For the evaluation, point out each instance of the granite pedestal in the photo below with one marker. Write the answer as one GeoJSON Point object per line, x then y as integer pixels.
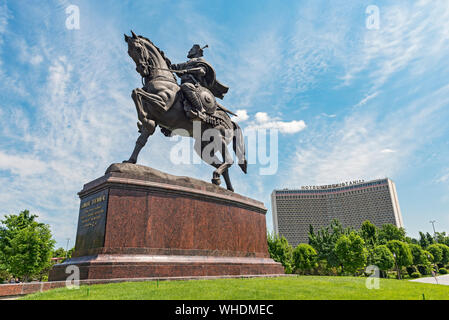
{"type": "Point", "coordinates": [137, 222]}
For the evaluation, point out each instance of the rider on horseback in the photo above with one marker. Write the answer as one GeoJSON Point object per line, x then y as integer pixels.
{"type": "Point", "coordinates": [198, 84]}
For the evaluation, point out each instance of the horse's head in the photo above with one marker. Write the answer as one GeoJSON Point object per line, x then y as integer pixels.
{"type": "Point", "coordinates": [149, 59]}
{"type": "Point", "coordinates": [139, 53]}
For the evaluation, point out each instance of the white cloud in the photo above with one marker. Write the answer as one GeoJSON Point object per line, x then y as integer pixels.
{"type": "Point", "coordinates": [242, 115]}
{"type": "Point", "coordinates": [23, 165]}
{"type": "Point", "coordinates": [263, 121]}
{"type": "Point", "coordinates": [4, 16]}
{"type": "Point", "coordinates": [29, 54]}
{"type": "Point", "coordinates": [367, 98]}
{"type": "Point", "coordinates": [355, 147]}
{"type": "Point", "coordinates": [262, 117]}
{"type": "Point", "coordinates": [412, 36]}
{"type": "Point", "coordinates": [328, 115]}
{"type": "Point", "coordinates": [444, 177]}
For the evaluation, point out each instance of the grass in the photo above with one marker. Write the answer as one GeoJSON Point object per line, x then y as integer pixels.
{"type": "Point", "coordinates": [282, 288]}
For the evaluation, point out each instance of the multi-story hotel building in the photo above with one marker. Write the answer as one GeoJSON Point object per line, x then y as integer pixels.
{"type": "Point", "coordinates": [351, 203]}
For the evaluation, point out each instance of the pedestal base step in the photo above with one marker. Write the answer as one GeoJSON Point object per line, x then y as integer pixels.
{"type": "Point", "coordinates": [148, 266]}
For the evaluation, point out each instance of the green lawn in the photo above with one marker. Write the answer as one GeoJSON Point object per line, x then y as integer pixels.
{"type": "Point", "coordinates": [282, 288]}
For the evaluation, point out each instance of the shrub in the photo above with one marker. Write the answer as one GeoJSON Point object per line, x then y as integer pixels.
{"type": "Point", "coordinates": [415, 275]}
{"type": "Point", "coordinates": [4, 275]}
{"type": "Point", "coordinates": [411, 270]}
{"type": "Point", "coordinates": [443, 271]}
{"type": "Point", "coordinates": [424, 269]}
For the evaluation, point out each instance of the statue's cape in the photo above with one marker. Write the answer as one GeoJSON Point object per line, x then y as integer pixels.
{"type": "Point", "coordinates": [217, 89]}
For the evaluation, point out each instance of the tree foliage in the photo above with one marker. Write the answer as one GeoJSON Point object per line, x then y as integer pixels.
{"type": "Point", "coordinates": [402, 251]}
{"type": "Point", "coordinates": [334, 248]}
{"type": "Point", "coordinates": [442, 238]}
{"type": "Point", "coordinates": [324, 240]}
{"type": "Point", "coordinates": [436, 251]}
{"type": "Point", "coordinates": [382, 258]}
{"type": "Point", "coordinates": [419, 255]}
{"type": "Point", "coordinates": [351, 252]}
{"type": "Point", "coordinates": [445, 253]}
{"type": "Point", "coordinates": [390, 232]}
{"type": "Point", "coordinates": [369, 233]}
{"type": "Point", "coordinates": [281, 251]}
{"type": "Point", "coordinates": [304, 258]}
{"type": "Point", "coordinates": [26, 246]}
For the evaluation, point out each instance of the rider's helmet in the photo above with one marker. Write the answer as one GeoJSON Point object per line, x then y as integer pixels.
{"type": "Point", "coordinates": [196, 51]}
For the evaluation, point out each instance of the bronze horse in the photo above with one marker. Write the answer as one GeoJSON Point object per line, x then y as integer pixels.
{"type": "Point", "coordinates": [160, 102]}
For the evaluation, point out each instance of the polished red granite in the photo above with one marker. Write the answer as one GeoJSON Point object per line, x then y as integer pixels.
{"type": "Point", "coordinates": [157, 225]}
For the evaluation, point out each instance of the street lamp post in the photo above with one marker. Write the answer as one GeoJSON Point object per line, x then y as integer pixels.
{"type": "Point", "coordinates": [433, 226]}
{"type": "Point", "coordinates": [67, 248]}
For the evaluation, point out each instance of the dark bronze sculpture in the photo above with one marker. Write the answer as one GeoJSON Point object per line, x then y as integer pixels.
{"type": "Point", "coordinates": [163, 102]}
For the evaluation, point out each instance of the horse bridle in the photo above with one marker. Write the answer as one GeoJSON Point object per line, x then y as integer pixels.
{"type": "Point", "coordinates": [147, 57]}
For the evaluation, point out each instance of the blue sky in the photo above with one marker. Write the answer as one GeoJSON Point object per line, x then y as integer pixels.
{"type": "Point", "coordinates": [370, 103]}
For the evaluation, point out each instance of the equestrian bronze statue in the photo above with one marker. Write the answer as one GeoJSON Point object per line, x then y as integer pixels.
{"type": "Point", "coordinates": [176, 109]}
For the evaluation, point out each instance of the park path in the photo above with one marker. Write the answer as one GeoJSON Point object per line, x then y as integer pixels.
{"type": "Point", "coordinates": [444, 280]}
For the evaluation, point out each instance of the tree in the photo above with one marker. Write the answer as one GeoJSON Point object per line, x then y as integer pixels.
{"type": "Point", "coordinates": [304, 258]}
{"type": "Point", "coordinates": [436, 252]}
{"type": "Point", "coordinates": [402, 251]}
{"type": "Point", "coordinates": [445, 253]}
{"type": "Point", "coordinates": [26, 246]}
{"type": "Point", "coordinates": [423, 242]}
{"type": "Point", "coordinates": [351, 252]}
{"type": "Point", "coordinates": [324, 240]}
{"type": "Point", "coordinates": [368, 231]}
{"type": "Point", "coordinates": [442, 238]}
{"type": "Point", "coordinates": [382, 258]}
{"type": "Point", "coordinates": [411, 240]}
{"type": "Point", "coordinates": [59, 253]}
{"type": "Point", "coordinates": [419, 255]}
{"type": "Point", "coordinates": [281, 251]}
{"type": "Point", "coordinates": [390, 232]}
{"type": "Point", "coordinates": [429, 238]}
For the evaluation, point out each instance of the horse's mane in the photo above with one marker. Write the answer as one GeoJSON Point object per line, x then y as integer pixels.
{"type": "Point", "coordinates": [167, 60]}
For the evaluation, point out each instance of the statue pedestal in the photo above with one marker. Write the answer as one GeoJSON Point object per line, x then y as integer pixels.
{"type": "Point", "coordinates": [137, 222]}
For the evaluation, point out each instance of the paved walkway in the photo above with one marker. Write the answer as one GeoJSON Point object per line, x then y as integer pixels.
{"type": "Point", "coordinates": [441, 280]}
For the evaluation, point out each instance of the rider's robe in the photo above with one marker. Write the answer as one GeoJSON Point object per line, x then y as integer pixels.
{"type": "Point", "coordinates": [208, 81]}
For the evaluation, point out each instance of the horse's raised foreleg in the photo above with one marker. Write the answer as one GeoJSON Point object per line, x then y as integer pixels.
{"type": "Point", "coordinates": [137, 98]}
{"type": "Point", "coordinates": [146, 125]}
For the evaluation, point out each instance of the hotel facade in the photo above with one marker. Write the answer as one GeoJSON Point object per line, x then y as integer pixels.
{"type": "Point", "coordinates": [351, 203]}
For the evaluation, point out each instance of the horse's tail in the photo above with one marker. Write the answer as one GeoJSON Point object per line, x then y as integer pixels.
{"type": "Point", "coordinates": [238, 144]}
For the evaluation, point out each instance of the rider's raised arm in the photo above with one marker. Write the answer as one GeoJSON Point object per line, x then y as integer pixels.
{"type": "Point", "coordinates": [201, 71]}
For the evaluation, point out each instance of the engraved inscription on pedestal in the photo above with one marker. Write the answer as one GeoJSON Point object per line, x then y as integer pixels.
{"type": "Point", "coordinates": [92, 221]}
